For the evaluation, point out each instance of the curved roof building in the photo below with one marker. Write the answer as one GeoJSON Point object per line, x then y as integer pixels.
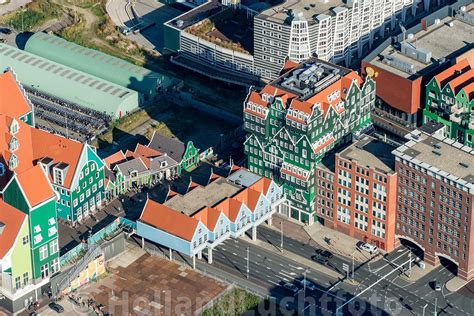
{"type": "Point", "coordinates": [67, 83]}
{"type": "Point", "coordinates": [98, 64]}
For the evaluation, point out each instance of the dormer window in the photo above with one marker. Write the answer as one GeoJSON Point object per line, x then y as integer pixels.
{"type": "Point", "coordinates": [13, 144]}
{"type": "Point", "coordinates": [14, 127]}
{"type": "Point", "coordinates": [163, 164]}
{"type": "Point", "coordinates": [13, 162]}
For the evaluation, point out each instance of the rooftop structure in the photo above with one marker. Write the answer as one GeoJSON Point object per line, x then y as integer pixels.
{"type": "Point", "coordinates": [371, 153]}
{"type": "Point", "coordinates": [427, 48]}
{"type": "Point", "coordinates": [200, 197]}
{"type": "Point", "coordinates": [68, 83]}
{"type": "Point", "coordinates": [440, 155]}
{"type": "Point", "coordinates": [98, 64]}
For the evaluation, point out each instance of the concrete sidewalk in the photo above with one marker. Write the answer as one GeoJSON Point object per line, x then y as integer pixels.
{"type": "Point", "coordinates": [455, 284]}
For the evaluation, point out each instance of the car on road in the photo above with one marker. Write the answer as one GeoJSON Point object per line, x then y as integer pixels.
{"type": "Point", "coordinates": [56, 307]}
{"type": "Point", "coordinates": [368, 247]}
{"type": "Point", "coordinates": [319, 259]}
{"type": "Point", "coordinates": [308, 284]}
{"type": "Point", "coordinates": [437, 286]}
{"type": "Point", "coordinates": [324, 253]}
{"type": "Point", "coordinates": [5, 30]}
{"type": "Point", "coordinates": [291, 287]}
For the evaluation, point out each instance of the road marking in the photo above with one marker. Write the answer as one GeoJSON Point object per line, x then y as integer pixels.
{"type": "Point", "coordinates": [285, 274]}
{"type": "Point", "coordinates": [234, 254]}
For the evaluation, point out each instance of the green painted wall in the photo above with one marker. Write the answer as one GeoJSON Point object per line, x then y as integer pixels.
{"type": "Point", "coordinates": [190, 157]}
{"type": "Point", "coordinates": [171, 39]}
{"type": "Point", "coordinates": [13, 196]}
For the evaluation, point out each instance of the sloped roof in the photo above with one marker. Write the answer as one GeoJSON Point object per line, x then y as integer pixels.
{"type": "Point", "coordinates": [208, 216]}
{"type": "Point", "coordinates": [147, 152]}
{"type": "Point", "coordinates": [35, 185]}
{"type": "Point", "coordinates": [10, 94]}
{"type": "Point", "coordinates": [262, 185]}
{"type": "Point", "coordinates": [114, 159]}
{"type": "Point", "coordinates": [169, 145]}
{"type": "Point", "coordinates": [447, 74]}
{"type": "Point", "coordinates": [169, 220]}
{"type": "Point", "coordinates": [59, 148]}
{"type": "Point", "coordinates": [249, 197]}
{"type": "Point", "coordinates": [127, 167]}
{"type": "Point", "coordinates": [11, 220]}
{"type": "Point", "coordinates": [461, 80]}
{"type": "Point", "coordinates": [230, 207]}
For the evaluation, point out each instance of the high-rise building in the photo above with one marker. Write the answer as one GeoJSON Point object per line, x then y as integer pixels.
{"type": "Point", "coordinates": [436, 199]}
{"type": "Point", "coordinates": [450, 101]}
{"type": "Point", "coordinates": [296, 119]}
{"type": "Point", "coordinates": [272, 31]}
{"type": "Point", "coordinates": [356, 192]}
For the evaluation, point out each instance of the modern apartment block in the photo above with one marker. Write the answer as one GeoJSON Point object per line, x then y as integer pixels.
{"type": "Point", "coordinates": [265, 34]}
{"type": "Point", "coordinates": [436, 199]}
{"type": "Point", "coordinates": [450, 101]}
{"type": "Point", "coordinates": [404, 65]}
{"type": "Point", "coordinates": [356, 192]}
{"type": "Point", "coordinates": [296, 119]}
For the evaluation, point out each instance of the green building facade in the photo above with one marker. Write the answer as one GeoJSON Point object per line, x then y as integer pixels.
{"type": "Point", "coordinates": [288, 150]}
{"type": "Point", "coordinates": [453, 106]}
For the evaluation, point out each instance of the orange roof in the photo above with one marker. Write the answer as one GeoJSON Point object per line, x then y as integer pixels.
{"type": "Point", "coordinates": [24, 137]}
{"type": "Point", "coordinates": [35, 185]}
{"type": "Point", "coordinates": [463, 79]}
{"type": "Point", "coordinates": [114, 159]}
{"type": "Point", "coordinates": [59, 148]}
{"type": "Point", "coordinates": [208, 216]}
{"type": "Point", "coordinates": [230, 207]}
{"type": "Point", "coordinates": [147, 152]}
{"type": "Point", "coordinates": [289, 64]}
{"type": "Point", "coordinates": [169, 220]}
{"type": "Point", "coordinates": [463, 65]}
{"type": "Point", "coordinates": [249, 197]}
{"type": "Point", "coordinates": [323, 145]}
{"type": "Point", "coordinates": [12, 100]}
{"type": "Point", "coordinates": [12, 219]}
{"type": "Point", "coordinates": [262, 185]}
{"type": "Point", "coordinates": [469, 90]}
{"type": "Point", "coordinates": [254, 97]}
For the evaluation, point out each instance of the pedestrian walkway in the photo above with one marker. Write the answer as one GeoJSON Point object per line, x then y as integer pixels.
{"type": "Point", "coordinates": [455, 284]}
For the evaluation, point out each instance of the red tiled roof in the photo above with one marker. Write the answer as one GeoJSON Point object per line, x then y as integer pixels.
{"type": "Point", "coordinates": [463, 79]}
{"type": "Point", "coordinates": [208, 216]}
{"type": "Point", "coordinates": [12, 219]}
{"type": "Point", "coordinates": [323, 145]}
{"type": "Point", "coordinates": [463, 65]}
{"type": "Point", "coordinates": [114, 159]}
{"type": "Point", "coordinates": [254, 97]}
{"type": "Point", "coordinates": [289, 65]}
{"type": "Point", "coordinates": [249, 197]}
{"type": "Point", "coordinates": [147, 152]}
{"type": "Point", "coordinates": [469, 90]}
{"type": "Point", "coordinates": [169, 220]}
{"type": "Point", "coordinates": [12, 100]}
{"type": "Point", "coordinates": [59, 148]}
{"type": "Point", "coordinates": [230, 207]}
{"type": "Point", "coordinates": [262, 185]}
{"type": "Point", "coordinates": [288, 172]}
{"type": "Point", "coordinates": [35, 185]}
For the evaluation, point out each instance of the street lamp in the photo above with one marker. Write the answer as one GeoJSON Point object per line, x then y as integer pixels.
{"type": "Point", "coordinates": [304, 283]}
{"type": "Point", "coordinates": [436, 306]}
{"type": "Point", "coordinates": [353, 265]}
{"type": "Point", "coordinates": [248, 268]}
{"type": "Point", "coordinates": [424, 307]}
{"type": "Point", "coordinates": [281, 235]}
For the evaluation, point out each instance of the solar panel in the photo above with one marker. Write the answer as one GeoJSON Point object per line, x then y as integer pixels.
{"type": "Point", "coordinates": [44, 64]}
{"type": "Point", "coordinates": [58, 70]}
{"type": "Point", "coordinates": [65, 72]}
{"type": "Point", "coordinates": [108, 88]}
{"type": "Point", "coordinates": [22, 57]}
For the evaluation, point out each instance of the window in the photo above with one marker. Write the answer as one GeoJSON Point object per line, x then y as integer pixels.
{"type": "Point", "coordinates": [52, 231]}
{"type": "Point", "coordinates": [43, 252]}
{"type": "Point", "coordinates": [58, 176]}
{"type": "Point", "coordinates": [26, 240]}
{"type": "Point", "coordinates": [44, 271]}
{"type": "Point", "coordinates": [53, 247]}
{"type": "Point", "coordinates": [38, 238]}
{"type": "Point", "coordinates": [26, 279]}
{"type": "Point", "coordinates": [55, 266]}
{"type": "Point", "coordinates": [17, 283]}
{"type": "Point", "coordinates": [51, 221]}
{"type": "Point", "coordinates": [92, 167]}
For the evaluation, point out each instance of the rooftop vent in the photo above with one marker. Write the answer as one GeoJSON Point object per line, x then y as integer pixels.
{"type": "Point", "coordinates": [179, 23]}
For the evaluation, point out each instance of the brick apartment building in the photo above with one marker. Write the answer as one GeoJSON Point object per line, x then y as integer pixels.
{"type": "Point", "coordinates": [435, 199]}
{"type": "Point", "coordinates": [356, 192]}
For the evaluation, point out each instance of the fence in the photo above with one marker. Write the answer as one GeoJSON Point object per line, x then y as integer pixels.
{"type": "Point", "coordinates": [81, 248]}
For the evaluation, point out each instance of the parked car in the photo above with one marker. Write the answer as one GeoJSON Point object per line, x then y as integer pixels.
{"type": "Point", "coordinates": [324, 253]}
{"type": "Point", "coordinates": [319, 259]}
{"type": "Point", "coordinates": [56, 307]}
{"type": "Point", "coordinates": [291, 287]}
{"type": "Point", "coordinates": [5, 30]}
{"type": "Point", "coordinates": [437, 286]}
{"type": "Point", "coordinates": [308, 284]}
{"type": "Point", "coordinates": [368, 247]}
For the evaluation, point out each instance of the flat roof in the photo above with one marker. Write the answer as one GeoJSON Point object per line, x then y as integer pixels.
{"type": "Point", "coordinates": [371, 152]}
{"type": "Point", "coordinates": [307, 9]}
{"type": "Point", "coordinates": [200, 197]}
{"type": "Point", "coordinates": [450, 157]}
{"type": "Point", "coordinates": [244, 177]}
{"type": "Point", "coordinates": [197, 14]}
{"type": "Point", "coordinates": [440, 39]}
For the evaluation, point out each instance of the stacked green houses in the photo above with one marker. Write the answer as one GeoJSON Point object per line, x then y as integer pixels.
{"type": "Point", "coordinates": [296, 119]}
{"type": "Point", "coordinates": [43, 177]}
{"type": "Point", "coordinates": [450, 101]}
